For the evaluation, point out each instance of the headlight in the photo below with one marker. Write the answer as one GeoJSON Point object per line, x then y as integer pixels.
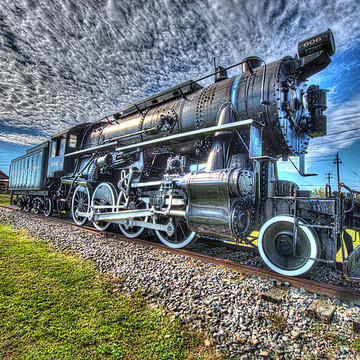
{"type": "Point", "coordinates": [323, 41]}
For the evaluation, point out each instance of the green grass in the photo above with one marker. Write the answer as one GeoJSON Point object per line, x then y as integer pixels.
{"type": "Point", "coordinates": [357, 345]}
{"type": "Point", "coordinates": [56, 306]}
{"type": "Point", "coordinates": [4, 199]}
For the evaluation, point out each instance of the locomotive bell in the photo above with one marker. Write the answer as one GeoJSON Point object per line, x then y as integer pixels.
{"type": "Point", "coordinates": [220, 74]}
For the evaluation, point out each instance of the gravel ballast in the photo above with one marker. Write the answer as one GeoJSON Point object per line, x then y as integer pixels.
{"type": "Point", "coordinates": [219, 301]}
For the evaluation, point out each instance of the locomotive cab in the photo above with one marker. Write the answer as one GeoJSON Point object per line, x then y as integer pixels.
{"type": "Point", "coordinates": [56, 155]}
{"type": "Point", "coordinates": [62, 144]}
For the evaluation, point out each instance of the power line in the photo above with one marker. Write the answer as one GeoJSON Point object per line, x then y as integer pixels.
{"type": "Point", "coordinates": [310, 184]}
{"type": "Point", "coordinates": [352, 170]}
{"type": "Point", "coordinates": [303, 185]}
{"type": "Point", "coordinates": [323, 157]}
{"type": "Point", "coordinates": [332, 141]}
{"type": "Point", "coordinates": [343, 131]}
{"type": "Point", "coordinates": [339, 132]}
{"type": "Point", "coordinates": [320, 160]}
{"type": "Point", "coordinates": [332, 169]}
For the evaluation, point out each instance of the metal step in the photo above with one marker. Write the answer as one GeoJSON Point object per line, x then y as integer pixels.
{"type": "Point", "coordinates": [351, 265]}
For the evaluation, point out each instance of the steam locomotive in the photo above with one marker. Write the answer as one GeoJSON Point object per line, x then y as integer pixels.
{"type": "Point", "coordinates": [201, 161]}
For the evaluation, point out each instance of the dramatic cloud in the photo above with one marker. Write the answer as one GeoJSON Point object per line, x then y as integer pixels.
{"type": "Point", "coordinates": [66, 62]}
{"type": "Point", "coordinates": [22, 139]}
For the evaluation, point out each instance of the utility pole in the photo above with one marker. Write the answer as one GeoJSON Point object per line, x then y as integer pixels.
{"type": "Point", "coordinates": [329, 177]}
{"type": "Point", "coordinates": [337, 161]}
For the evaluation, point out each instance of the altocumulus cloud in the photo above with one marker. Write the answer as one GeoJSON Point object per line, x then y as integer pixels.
{"type": "Point", "coordinates": [65, 62]}
{"type": "Point", "coordinates": [21, 139]}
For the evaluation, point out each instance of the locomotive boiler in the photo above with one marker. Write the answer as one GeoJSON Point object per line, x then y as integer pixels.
{"type": "Point", "coordinates": [201, 161]}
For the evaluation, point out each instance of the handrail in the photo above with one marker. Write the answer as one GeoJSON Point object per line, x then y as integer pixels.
{"type": "Point", "coordinates": [342, 185]}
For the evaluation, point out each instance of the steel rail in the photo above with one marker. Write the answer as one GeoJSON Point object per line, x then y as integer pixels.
{"type": "Point", "coordinates": [339, 292]}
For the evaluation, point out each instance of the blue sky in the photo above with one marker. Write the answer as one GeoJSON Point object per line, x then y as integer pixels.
{"type": "Point", "coordinates": [66, 62]}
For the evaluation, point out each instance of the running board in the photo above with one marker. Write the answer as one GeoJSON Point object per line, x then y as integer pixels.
{"type": "Point", "coordinates": [173, 139]}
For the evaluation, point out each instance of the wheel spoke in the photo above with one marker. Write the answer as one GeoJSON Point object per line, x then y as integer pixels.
{"type": "Point", "coordinates": [131, 231]}
{"type": "Point", "coordinates": [182, 236]}
{"type": "Point", "coordinates": [104, 194]}
{"type": "Point", "coordinates": [48, 207]}
{"type": "Point", "coordinates": [182, 230]}
{"type": "Point", "coordinates": [80, 202]}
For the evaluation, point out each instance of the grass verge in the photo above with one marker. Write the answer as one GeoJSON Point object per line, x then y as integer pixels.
{"type": "Point", "coordinates": [56, 306]}
{"type": "Point", "coordinates": [4, 199]}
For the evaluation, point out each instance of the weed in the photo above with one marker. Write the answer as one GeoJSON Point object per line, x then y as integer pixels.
{"type": "Point", "coordinates": [338, 340]}
{"type": "Point", "coordinates": [357, 345]}
{"type": "Point", "coordinates": [278, 322]}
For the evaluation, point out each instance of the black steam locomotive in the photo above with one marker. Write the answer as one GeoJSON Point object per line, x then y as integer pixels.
{"type": "Point", "coordinates": [197, 160]}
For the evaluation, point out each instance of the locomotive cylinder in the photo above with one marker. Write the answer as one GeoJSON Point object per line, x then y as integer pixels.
{"type": "Point", "coordinates": [213, 197]}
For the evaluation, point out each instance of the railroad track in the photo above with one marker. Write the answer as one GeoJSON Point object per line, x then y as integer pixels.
{"type": "Point", "coordinates": [320, 288]}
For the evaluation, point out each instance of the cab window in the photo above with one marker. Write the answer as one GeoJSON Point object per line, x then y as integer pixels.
{"type": "Point", "coordinates": [72, 141]}
{"type": "Point", "coordinates": [57, 147]}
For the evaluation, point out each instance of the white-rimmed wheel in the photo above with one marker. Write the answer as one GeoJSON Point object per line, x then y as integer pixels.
{"type": "Point", "coordinates": [178, 234]}
{"type": "Point", "coordinates": [128, 229]}
{"type": "Point", "coordinates": [80, 203]}
{"type": "Point", "coordinates": [276, 245]}
{"type": "Point", "coordinates": [48, 207]}
{"type": "Point", "coordinates": [104, 195]}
